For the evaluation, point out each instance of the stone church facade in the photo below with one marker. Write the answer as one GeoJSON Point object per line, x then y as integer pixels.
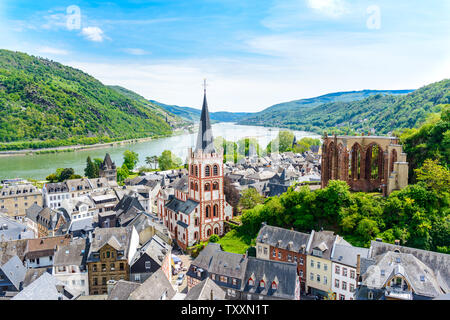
{"type": "Point", "coordinates": [198, 207]}
{"type": "Point", "coordinates": [366, 163]}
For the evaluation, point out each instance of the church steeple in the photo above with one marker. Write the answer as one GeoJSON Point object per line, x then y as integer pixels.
{"type": "Point", "coordinates": [205, 140]}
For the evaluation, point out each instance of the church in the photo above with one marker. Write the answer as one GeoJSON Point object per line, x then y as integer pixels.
{"type": "Point", "coordinates": [198, 207]}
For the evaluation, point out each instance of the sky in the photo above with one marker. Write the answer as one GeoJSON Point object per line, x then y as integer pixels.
{"type": "Point", "coordinates": [253, 53]}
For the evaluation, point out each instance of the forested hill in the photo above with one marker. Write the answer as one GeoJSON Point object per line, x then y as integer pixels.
{"type": "Point", "coordinates": [193, 115]}
{"type": "Point", "coordinates": [379, 113]}
{"type": "Point", "coordinates": [44, 103]}
{"type": "Point", "coordinates": [269, 113]}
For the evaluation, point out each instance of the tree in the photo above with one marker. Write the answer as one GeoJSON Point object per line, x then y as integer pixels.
{"type": "Point", "coordinates": [231, 193]}
{"type": "Point", "coordinates": [214, 238]}
{"type": "Point", "coordinates": [434, 176]}
{"type": "Point", "coordinates": [282, 143]}
{"type": "Point", "coordinates": [89, 171]}
{"type": "Point", "coordinates": [367, 229]}
{"type": "Point", "coordinates": [66, 174]}
{"type": "Point", "coordinates": [249, 199]}
{"type": "Point", "coordinates": [130, 159]}
{"type": "Point", "coordinates": [122, 173]}
{"type": "Point", "coordinates": [168, 161]}
{"type": "Point", "coordinates": [151, 160]}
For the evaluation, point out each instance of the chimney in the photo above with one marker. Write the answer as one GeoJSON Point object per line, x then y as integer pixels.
{"type": "Point", "coordinates": [110, 285]}
{"type": "Point", "coordinates": [358, 265]}
{"type": "Point", "coordinates": [397, 242]}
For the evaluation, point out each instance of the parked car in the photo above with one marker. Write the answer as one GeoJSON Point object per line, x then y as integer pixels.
{"type": "Point", "coordinates": [180, 279]}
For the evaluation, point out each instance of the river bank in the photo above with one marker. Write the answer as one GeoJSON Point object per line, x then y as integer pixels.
{"type": "Point", "coordinates": [73, 148]}
{"type": "Point", "coordinates": [38, 165]}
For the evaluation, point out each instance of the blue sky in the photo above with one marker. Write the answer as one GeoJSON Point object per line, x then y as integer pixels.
{"type": "Point", "coordinates": [254, 53]}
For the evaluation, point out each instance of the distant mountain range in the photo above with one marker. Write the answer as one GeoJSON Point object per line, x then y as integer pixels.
{"type": "Point", "coordinates": [375, 111]}
{"type": "Point", "coordinates": [193, 115]}
{"type": "Point", "coordinates": [378, 112]}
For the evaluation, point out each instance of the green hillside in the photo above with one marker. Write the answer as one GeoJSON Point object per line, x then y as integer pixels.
{"type": "Point", "coordinates": [45, 104]}
{"type": "Point", "coordinates": [379, 113]}
{"type": "Point", "coordinates": [268, 114]}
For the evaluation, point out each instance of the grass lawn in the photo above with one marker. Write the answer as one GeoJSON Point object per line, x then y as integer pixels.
{"type": "Point", "coordinates": [235, 242]}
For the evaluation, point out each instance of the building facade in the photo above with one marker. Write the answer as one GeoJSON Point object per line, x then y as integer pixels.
{"type": "Point", "coordinates": [198, 207]}
{"type": "Point", "coordinates": [366, 163]}
{"type": "Point", "coordinates": [109, 257]}
{"type": "Point", "coordinates": [16, 199]}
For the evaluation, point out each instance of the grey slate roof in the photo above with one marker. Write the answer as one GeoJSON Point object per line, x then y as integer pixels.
{"type": "Point", "coordinates": [34, 273]}
{"type": "Point", "coordinates": [392, 263]}
{"type": "Point", "coordinates": [116, 237]}
{"type": "Point", "coordinates": [122, 290]}
{"type": "Point", "coordinates": [156, 248]}
{"type": "Point", "coordinates": [285, 274]}
{"type": "Point", "coordinates": [73, 254]}
{"type": "Point", "coordinates": [204, 258]}
{"type": "Point", "coordinates": [8, 249]}
{"type": "Point", "coordinates": [185, 207]}
{"type": "Point", "coordinates": [85, 224]}
{"type": "Point", "coordinates": [438, 262]}
{"type": "Point", "coordinates": [154, 288]}
{"type": "Point", "coordinates": [15, 271]}
{"type": "Point", "coordinates": [205, 140]}
{"type": "Point", "coordinates": [347, 255]}
{"type": "Point", "coordinates": [323, 240]}
{"type": "Point", "coordinates": [181, 184]}
{"type": "Point", "coordinates": [14, 230]}
{"type": "Point", "coordinates": [228, 264]}
{"type": "Point", "coordinates": [202, 291]}
{"type": "Point", "coordinates": [46, 287]}
{"type": "Point", "coordinates": [274, 234]}
{"type": "Point", "coordinates": [182, 224]}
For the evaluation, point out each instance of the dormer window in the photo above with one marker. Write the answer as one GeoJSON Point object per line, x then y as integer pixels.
{"type": "Point", "coordinates": [274, 285]}
{"type": "Point", "coordinates": [251, 282]}
{"type": "Point", "coordinates": [262, 284]}
{"type": "Point", "coordinates": [317, 253]}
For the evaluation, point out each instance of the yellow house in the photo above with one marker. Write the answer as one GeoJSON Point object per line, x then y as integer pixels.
{"type": "Point", "coordinates": [318, 262]}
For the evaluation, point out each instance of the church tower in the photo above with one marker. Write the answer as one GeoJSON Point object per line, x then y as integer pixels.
{"type": "Point", "coordinates": [206, 179]}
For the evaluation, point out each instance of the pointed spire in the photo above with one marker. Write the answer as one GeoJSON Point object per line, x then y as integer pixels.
{"type": "Point", "coordinates": [283, 175]}
{"type": "Point", "coordinates": [205, 140]}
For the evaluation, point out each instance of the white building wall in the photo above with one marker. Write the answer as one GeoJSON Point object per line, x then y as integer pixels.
{"type": "Point", "coordinates": [341, 278]}
{"type": "Point", "coordinates": [43, 262]}
{"type": "Point", "coordinates": [78, 281]}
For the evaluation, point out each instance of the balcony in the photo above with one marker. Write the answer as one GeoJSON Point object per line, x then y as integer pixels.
{"type": "Point", "coordinates": [399, 293]}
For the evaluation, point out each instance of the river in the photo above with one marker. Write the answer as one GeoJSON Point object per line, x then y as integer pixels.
{"type": "Point", "coordinates": [38, 166]}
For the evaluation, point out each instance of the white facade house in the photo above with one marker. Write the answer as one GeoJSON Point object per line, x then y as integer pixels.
{"type": "Point", "coordinates": [69, 267]}
{"type": "Point", "coordinates": [54, 194]}
{"type": "Point", "coordinates": [346, 269]}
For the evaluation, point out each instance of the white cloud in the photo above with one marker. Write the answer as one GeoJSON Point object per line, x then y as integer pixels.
{"type": "Point", "coordinates": [93, 34]}
{"type": "Point", "coordinates": [52, 51]}
{"type": "Point", "coordinates": [333, 8]}
{"type": "Point", "coordinates": [136, 51]}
